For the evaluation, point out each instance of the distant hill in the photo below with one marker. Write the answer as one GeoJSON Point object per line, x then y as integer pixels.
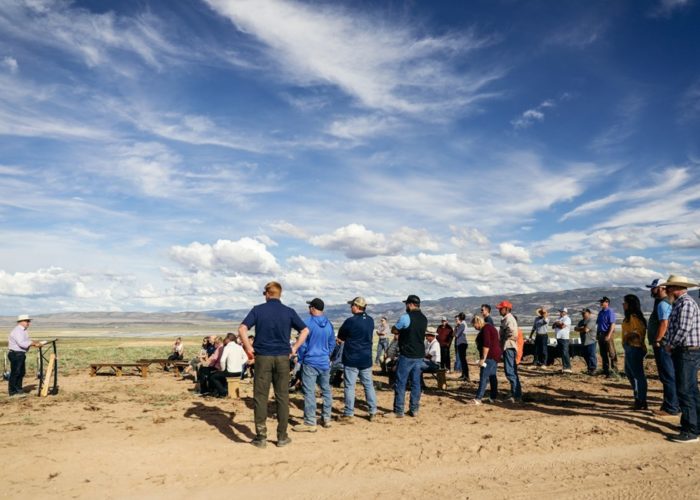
{"type": "Point", "coordinates": [524, 306]}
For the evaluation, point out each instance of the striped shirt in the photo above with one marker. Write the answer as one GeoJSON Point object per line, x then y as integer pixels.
{"type": "Point", "coordinates": [684, 323]}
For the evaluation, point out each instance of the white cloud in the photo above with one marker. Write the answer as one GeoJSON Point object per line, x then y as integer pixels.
{"type": "Point", "coordinates": [689, 239]}
{"type": "Point", "coordinates": [639, 261]}
{"type": "Point", "coordinates": [528, 117]}
{"type": "Point", "coordinates": [10, 63]}
{"type": "Point", "coordinates": [662, 184]}
{"type": "Point", "coordinates": [88, 36]}
{"type": "Point", "coordinates": [464, 237]}
{"type": "Point", "coordinates": [361, 127]}
{"type": "Point", "coordinates": [52, 281]}
{"type": "Point", "coordinates": [358, 242]}
{"type": "Point", "coordinates": [398, 69]}
{"type": "Point", "coordinates": [245, 256]}
{"type": "Point", "coordinates": [513, 253]}
{"type": "Point", "coordinates": [289, 229]}
{"type": "Point", "coordinates": [665, 8]}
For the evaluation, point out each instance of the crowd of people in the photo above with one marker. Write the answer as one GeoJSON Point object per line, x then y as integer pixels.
{"type": "Point", "coordinates": [415, 348]}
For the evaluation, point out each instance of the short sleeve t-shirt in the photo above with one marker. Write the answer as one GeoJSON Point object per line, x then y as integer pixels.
{"type": "Point", "coordinates": [273, 323]}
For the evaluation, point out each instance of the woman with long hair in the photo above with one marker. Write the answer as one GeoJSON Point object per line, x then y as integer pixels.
{"type": "Point", "coordinates": [634, 328]}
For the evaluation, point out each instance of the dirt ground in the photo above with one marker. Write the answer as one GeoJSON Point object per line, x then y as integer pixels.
{"type": "Point", "coordinates": [574, 437]}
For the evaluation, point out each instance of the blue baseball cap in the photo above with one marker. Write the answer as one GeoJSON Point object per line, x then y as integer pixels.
{"type": "Point", "coordinates": [654, 284]}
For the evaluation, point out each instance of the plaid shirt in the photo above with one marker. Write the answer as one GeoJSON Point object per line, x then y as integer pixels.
{"type": "Point", "coordinates": [684, 323]}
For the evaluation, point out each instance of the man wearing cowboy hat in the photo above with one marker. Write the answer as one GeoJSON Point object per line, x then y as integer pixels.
{"type": "Point", "coordinates": [509, 343]}
{"type": "Point", "coordinates": [431, 362]}
{"type": "Point", "coordinates": [18, 344]}
{"type": "Point", "coordinates": [657, 327]}
{"type": "Point", "coordinates": [605, 329]}
{"type": "Point", "coordinates": [684, 345]}
{"type": "Point", "coordinates": [411, 328]}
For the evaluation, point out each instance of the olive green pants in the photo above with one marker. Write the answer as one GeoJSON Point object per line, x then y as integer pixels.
{"type": "Point", "coordinates": [271, 370]}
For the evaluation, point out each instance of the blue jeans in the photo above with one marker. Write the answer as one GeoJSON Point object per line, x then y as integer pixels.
{"type": "Point", "coordinates": [350, 375]}
{"type": "Point", "coordinates": [591, 357]}
{"type": "Point", "coordinates": [487, 375]}
{"type": "Point", "coordinates": [311, 376]}
{"type": "Point", "coordinates": [429, 366]}
{"type": "Point", "coordinates": [382, 347]}
{"type": "Point", "coordinates": [667, 376]}
{"type": "Point", "coordinates": [511, 369]}
{"type": "Point", "coordinates": [541, 343]}
{"type": "Point", "coordinates": [563, 345]}
{"type": "Point", "coordinates": [634, 369]}
{"type": "Point", "coordinates": [687, 364]}
{"type": "Point", "coordinates": [407, 368]}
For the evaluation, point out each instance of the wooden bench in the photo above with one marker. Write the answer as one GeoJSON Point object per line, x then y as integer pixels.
{"type": "Point", "coordinates": [441, 377]}
{"type": "Point", "coordinates": [234, 387]}
{"type": "Point", "coordinates": [117, 368]}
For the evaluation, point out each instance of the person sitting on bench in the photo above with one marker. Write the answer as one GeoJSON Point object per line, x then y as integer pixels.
{"type": "Point", "coordinates": [431, 362]}
{"type": "Point", "coordinates": [232, 359]}
{"type": "Point", "coordinates": [391, 358]}
{"type": "Point", "coordinates": [210, 366]}
{"type": "Point", "coordinates": [196, 362]}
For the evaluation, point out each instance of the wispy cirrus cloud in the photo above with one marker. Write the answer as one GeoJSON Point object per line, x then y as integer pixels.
{"type": "Point", "coordinates": [399, 70]}
{"type": "Point", "coordinates": [664, 183]}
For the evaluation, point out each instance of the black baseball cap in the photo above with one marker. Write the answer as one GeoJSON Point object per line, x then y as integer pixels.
{"type": "Point", "coordinates": [412, 299]}
{"type": "Point", "coordinates": [316, 304]}
{"type": "Point", "coordinates": [604, 299]}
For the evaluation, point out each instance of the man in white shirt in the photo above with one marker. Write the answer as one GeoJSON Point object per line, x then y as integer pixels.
{"type": "Point", "coordinates": [232, 359]}
{"type": "Point", "coordinates": [431, 362]}
{"type": "Point", "coordinates": [18, 344]}
{"type": "Point", "coordinates": [562, 329]}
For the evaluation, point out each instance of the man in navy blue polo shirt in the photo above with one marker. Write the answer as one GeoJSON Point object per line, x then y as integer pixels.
{"type": "Point", "coordinates": [273, 322]}
{"type": "Point", "coordinates": [356, 334]}
{"type": "Point", "coordinates": [606, 336]}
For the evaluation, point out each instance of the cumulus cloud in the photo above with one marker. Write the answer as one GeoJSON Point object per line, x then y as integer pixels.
{"type": "Point", "coordinates": [513, 253]}
{"type": "Point", "coordinates": [358, 242]}
{"type": "Point", "coordinates": [464, 237]}
{"type": "Point", "coordinates": [52, 281]}
{"type": "Point", "coordinates": [245, 256]}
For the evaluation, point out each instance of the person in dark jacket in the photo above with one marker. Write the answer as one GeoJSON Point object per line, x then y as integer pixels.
{"type": "Point", "coordinates": [411, 329]}
{"type": "Point", "coordinates": [314, 357]}
{"type": "Point", "coordinates": [356, 334]}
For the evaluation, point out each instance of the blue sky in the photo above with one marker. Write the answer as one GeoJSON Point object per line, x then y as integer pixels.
{"type": "Point", "coordinates": [159, 155]}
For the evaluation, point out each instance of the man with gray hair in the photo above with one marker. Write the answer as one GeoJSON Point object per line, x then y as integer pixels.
{"type": "Point", "coordinates": [684, 346]}
{"type": "Point", "coordinates": [18, 344]}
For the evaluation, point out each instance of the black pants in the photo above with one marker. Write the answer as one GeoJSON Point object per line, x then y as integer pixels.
{"type": "Point", "coordinates": [17, 371]}
{"type": "Point", "coordinates": [203, 374]}
{"type": "Point", "coordinates": [462, 353]}
{"type": "Point", "coordinates": [445, 357]}
{"type": "Point", "coordinates": [217, 382]}
{"type": "Point", "coordinates": [608, 354]}
{"type": "Point", "coordinates": [271, 370]}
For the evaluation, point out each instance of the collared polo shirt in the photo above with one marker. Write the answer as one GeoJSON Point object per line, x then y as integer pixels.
{"type": "Point", "coordinates": [273, 323]}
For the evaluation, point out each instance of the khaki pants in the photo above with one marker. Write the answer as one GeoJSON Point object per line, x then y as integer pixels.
{"type": "Point", "coordinates": [271, 370]}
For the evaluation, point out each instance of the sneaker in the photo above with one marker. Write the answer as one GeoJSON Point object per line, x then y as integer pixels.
{"type": "Point", "coordinates": [475, 402]}
{"type": "Point", "coordinates": [259, 442]}
{"type": "Point", "coordinates": [684, 437]}
{"type": "Point", "coordinates": [393, 415]}
{"type": "Point", "coordinates": [283, 442]}
{"type": "Point", "coordinates": [346, 419]}
{"type": "Point", "coordinates": [509, 400]}
{"type": "Point", "coordinates": [326, 424]}
{"type": "Point", "coordinates": [19, 395]}
{"type": "Point", "coordinates": [304, 428]}
{"type": "Point", "coordinates": [412, 413]}
{"type": "Point", "coordinates": [567, 370]}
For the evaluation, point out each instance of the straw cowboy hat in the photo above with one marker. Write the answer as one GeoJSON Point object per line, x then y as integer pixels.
{"type": "Point", "coordinates": [23, 317]}
{"type": "Point", "coordinates": [680, 281]}
{"type": "Point", "coordinates": [431, 330]}
{"type": "Point", "coordinates": [541, 311]}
